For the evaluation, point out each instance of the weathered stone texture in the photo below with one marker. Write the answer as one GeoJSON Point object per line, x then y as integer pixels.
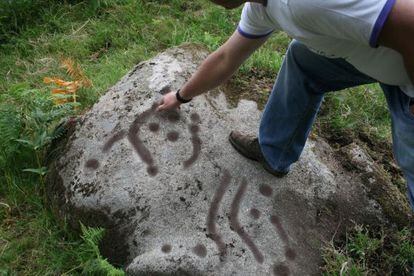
{"type": "Point", "coordinates": [177, 198]}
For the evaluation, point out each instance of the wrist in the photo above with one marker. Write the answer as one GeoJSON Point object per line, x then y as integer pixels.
{"type": "Point", "coordinates": [180, 98]}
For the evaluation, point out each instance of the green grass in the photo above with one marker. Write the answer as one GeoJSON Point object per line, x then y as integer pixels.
{"type": "Point", "coordinates": [33, 243]}
{"type": "Point", "coordinates": [366, 252]}
{"type": "Point", "coordinates": [359, 109]}
{"type": "Point", "coordinates": [108, 37]}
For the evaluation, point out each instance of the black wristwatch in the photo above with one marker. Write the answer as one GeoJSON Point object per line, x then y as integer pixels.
{"type": "Point", "coordinates": [181, 99]}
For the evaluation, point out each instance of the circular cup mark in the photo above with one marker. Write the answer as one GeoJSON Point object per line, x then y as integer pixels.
{"type": "Point", "coordinates": [92, 164]}
{"type": "Point", "coordinates": [165, 90]}
{"type": "Point", "coordinates": [154, 127]}
{"type": "Point", "coordinates": [194, 129]}
{"type": "Point", "coordinates": [173, 116]}
{"type": "Point", "coordinates": [254, 213]}
{"type": "Point", "coordinates": [152, 170]}
{"type": "Point", "coordinates": [266, 190]}
{"type": "Point", "coordinates": [281, 270]}
{"type": "Point", "coordinates": [200, 250]}
{"type": "Point", "coordinates": [290, 253]}
{"type": "Point", "coordinates": [154, 106]}
{"type": "Point", "coordinates": [166, 248]}
{"type": "Point", "coordinates": [172, 136]}
{"type": "Point", "coordinates": [195, 118]}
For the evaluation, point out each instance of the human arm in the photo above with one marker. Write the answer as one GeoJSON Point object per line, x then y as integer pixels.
{"type": "Point", "coordinates": [398, 33]}
{"type": "Point", "coordinates": [218, 67]}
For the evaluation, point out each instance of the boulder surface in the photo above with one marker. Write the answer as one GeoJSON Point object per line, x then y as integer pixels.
{"type": "Point", "coordinates": [176, 198]}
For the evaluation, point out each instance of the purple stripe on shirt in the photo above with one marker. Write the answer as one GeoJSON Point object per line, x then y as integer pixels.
{"type": "Point", "coordinates": [252, 36]}
{"type": "Point", "coordinates": [379, 24]}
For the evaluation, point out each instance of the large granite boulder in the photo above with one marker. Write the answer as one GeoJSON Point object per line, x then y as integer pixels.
{"type": "Point", "coordinates": [176, 198]}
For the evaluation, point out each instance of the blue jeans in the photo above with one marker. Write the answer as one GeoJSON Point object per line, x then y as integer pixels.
{"type": "Point", "coordinates": [297, 95]}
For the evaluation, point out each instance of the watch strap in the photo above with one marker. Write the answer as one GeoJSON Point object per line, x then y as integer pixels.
{"type": "Point", "coordinates": [181, 99]}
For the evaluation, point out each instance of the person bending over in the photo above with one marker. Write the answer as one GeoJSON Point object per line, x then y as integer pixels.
{"type": "Point", "coordinates": [336, 45]}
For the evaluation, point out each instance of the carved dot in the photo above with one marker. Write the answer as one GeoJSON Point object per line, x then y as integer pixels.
{"type": "Point", "coordinates": [195, 118]}
{"type": "Point", "coordinates": [194, 128]}
{"type": "Point", "coordinates": [166, 248]}
{"type": "Point", "coordinates": [173, 117]}
{"type": "Point", "coordinates": [152, 170]}
{"type": "Point", "coordinates": [172, 136]}
{"type": "Point", "coordinates": [165, 90]}
{"type": "Point", "coordinates": [281, 270]}
{"type": "Point", "coordinates": [254, 213]}
{"type": "Point", "coordinates": [290, 254]}
{"type": "Point", "coordinates": [154, 106]}
{"type": "Point", "coordinates": [266, 190]}
{"type": "Point", "coordinates": [154, 127]}
{"type": "Point", "coordinates": [275, 220]}
{"type": "Point", "coordinates": [92, 164]}
{"type": "Point", "coordinates": [200, 250]}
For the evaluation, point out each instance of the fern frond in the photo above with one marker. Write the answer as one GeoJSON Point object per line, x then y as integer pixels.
{"type": "Point", "coordinates": [97, 265]}
{"type": "Point", "coordinates": [59, 131]}
{"type": "Point", "coordinates": [10, 128]}
{"type": "Point", "coordinates": [75, 72]}
{"type": "Point", "coordinates": [9, 124]}
{"type": "Point", "coordinates": [92, 237]}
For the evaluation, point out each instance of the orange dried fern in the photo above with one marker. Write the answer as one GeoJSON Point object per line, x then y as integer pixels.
{"type": "Point", "coordinates": [75, 72]}
{"type": "Point", "coordinates": [67, 90]}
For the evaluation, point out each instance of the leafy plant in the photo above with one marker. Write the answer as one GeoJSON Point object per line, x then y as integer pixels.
{"type": "Point", "coordinates": [27, 118]}
{"type": "Point", "coordinates": [67, 91]}
{"type": "Point", "coordinates": [96, 265]}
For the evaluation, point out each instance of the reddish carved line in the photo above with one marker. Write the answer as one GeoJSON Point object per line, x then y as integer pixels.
{"type": "Point", "coordinates": [235, 224]}
{"type": "Point", "coordinates": [212, 213]}
{"type": "Point", "coordinates": [142, 150]}
{"type": "Point", "coordinates": [195, 139]}
{"type": "Point", "coordinates": [290, 253]}
{"type": "Point", "coordinates": [115, 138]}
{"type": "Point", "coordinates": [138, 145]}
{"type": "Point", "coordinates": [279, 228]}
{"type": "Point", "coordinates": [196, 151]}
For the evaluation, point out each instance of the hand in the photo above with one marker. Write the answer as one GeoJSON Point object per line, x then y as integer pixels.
{"type": "Point", "coordinates": [169, 101]}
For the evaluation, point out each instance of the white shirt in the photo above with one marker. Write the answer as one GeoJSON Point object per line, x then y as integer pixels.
{"type": "Point", "coordinates": [347, 29]}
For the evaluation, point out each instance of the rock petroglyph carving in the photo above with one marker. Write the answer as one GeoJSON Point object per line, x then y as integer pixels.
{"type": "Point", "coordinates": [235, 225]}
{"type": "Point", "coordinates": [213, 210]}
{"type": "Point", "coordinates": [177, 199]}
{"type": "Point", "coordinates": [140, 148]}
{"type": "Point", "coordinates": [166, 248]}
{"type": "Point", "coordinates": [200, 250]}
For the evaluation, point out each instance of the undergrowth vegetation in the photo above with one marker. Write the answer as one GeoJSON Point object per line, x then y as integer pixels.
{"type": "Point", "coordinates": [367, 252]}
{"type": "Point", "coordinates": [108, 37]}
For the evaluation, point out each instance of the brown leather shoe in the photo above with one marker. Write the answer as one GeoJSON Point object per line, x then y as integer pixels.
{"type": "Point", "coordinates": [248, 146]}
